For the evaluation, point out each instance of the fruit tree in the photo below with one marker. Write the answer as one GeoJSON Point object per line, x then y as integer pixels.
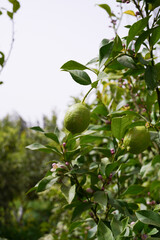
{"type": "Point", "coordinates": [109, 151]}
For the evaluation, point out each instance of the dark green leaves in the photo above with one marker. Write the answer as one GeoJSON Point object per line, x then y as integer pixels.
{"type": "Point", "coordinates": [149, 217]}
{"type": "Point", "coordinates": [141, 39]}
{"type": "Point", "coordinates": [136, 29]}
{"type": "Point", "coordinates": [1, 58]}
{"type": "Point", "coordinates": [76, 71]}
{"type": "Point", "coordinates": [16, 5]}
{"type": "Point", "coordinates": [126, 61]}
{"type": "Point", "coordinates": [155, 35]}
{"type": "Point", "coordinates": [82, 207]}
{"type": "Point", "coordinates": [80, 77]}
{"type": "Point", "coordinates": [151, 77]}
{"type": "Point", "coordinates": [37, 128]}
{"type": "Point", "coordinates": [73, 65]}
{"type": "Point", "coordinates": [105, 50]}
{"type": "Point", "coordinates": [52, 136]}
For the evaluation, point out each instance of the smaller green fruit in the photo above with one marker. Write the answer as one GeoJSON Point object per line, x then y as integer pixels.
{"type": "Point", "coordinates": [137, 139]}
{"type": "Point", "coordinates": [77, 118]}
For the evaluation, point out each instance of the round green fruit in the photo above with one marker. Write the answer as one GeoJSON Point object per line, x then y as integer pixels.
{"type": "Point", "coordinates": [77, 118]}
{"type": "Point", "coordinates": [137, 139]}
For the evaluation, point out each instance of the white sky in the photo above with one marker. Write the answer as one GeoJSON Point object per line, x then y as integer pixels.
{"type": "Point", "coordinates": [48, 33]}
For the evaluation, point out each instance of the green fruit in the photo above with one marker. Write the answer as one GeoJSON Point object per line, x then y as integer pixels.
{"type": "Point", "coordinates": [137, 139]}
{"type": "Point", "coordinates": [77, 118]}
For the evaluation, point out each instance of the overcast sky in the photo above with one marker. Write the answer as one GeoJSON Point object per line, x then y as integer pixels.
{"type": "Point", "coordinates": [47, 34]}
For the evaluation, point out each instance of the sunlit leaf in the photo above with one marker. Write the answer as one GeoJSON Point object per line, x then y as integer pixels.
{"type": "Point", "coordinates": [149, 217]}
{"type": "Point", "coordinates": [103, 232]}
{"type": "Point", "coordinates": [119, 126]}
{"type": "Point", "coordinates": [130, 12]}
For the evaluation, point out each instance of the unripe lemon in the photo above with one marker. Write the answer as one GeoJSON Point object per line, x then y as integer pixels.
{"type": "Point", "coordinates": [137, 139]}
{"type": "Point", "coordinates": [77, 118]}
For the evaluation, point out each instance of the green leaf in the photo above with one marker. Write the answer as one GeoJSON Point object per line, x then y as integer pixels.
{"type": "Point", "coordinates": [105, 50]}
{"type": "Point", "coordinates": [150, 77]}
{"type": "Point", "coordinates": [136, 29]}
{"type": "Point", "coordinates": [94, 60]}
{"type": "Point", "coordinates": [117, 44]}
{"type": "Point", "coordinates": [75, 225]}
{"type": "Point", "coordinates": [107, 8]}
{"type": "Point", "coordinates": [155, 35]}
{"type": "Point", "coordinates": [94, 84]}
{"type": "Point", "coordinates": [125, 112]}
{"type": "Point", "coordinates": [73, 65]}
{"type": "Point", "coordinates": [102, 76]}
{"type": "Point", "coordinates": [10, 14]}
{"type": "Point", "coordinates": [100, 109]}
{"type": "Point", "coordinates": [52, 136]}
{"type": "Point", "coordinates": [42, 185]}
{"type": "Point", "coordinates": [134, 190]}
{"type": "Point", "coordinates": [141, 39]}
{"type": "Point", "coordinates": [106, 152]}
{"type": "Point", "coordinates": [80, 209]}
{"type": "Point", "coordinates": [119, 126]}
{"type": "Point", "coordinates": [31, 190]}
{"type": "Point", "coordinates": [110, 167]}
{"type": "Point", "coordinates": [157, 69]}
{"type": "Point", "coordinates": [16, 5]}
{"type": "Point", "coordinates": [90, 139]}
{"type": "Point", "coordinates": [37, 128]}
{"type": "Point", "coordinates": [155, 160]}
{"type": "Point", "coordinates": [116, 227]}
{"type": "Point", "coordinates": [149, 217]}
{"type": "Point", "coordinates": [127, 61]}
{"type": "Point", "coordinates": [100, 197]}
{"type": "Point", "coordinates": [37, 146]}
{"type": "Point", "coordinates": [156, 4]}
{"type": "Point", "coordinates": [2, 58]}
{"type": "Point", "coordinates": [103, 232]}
{"type": "Point", "coordinates": [80, 77]}
{"type": "Point", "coordinates": [146, 169]}
{"type": "Point", "coordinates": [68, 192]}
{"type": "Point", "coordinates": [92, 232]}
{"type": "Point", "coordinates": [40, 147]}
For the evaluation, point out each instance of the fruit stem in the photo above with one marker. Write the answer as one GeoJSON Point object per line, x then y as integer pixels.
{"type": "Point", "coordinates": [87, 94]}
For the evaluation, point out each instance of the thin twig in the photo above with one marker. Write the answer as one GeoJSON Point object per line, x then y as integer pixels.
{"type": "Point", "coordinates": [11, 46]}
{"type": "Point", "coordinates": [138, 7]}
